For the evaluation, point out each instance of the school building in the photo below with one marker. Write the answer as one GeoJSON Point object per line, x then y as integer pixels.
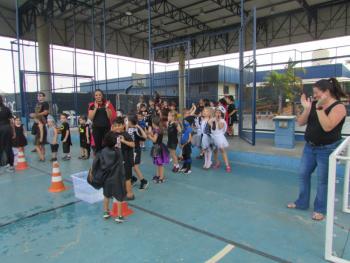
{"type": "Point", "coordinates": [212, 82]}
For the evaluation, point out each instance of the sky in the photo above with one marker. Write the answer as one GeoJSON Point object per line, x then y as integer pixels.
{"type": "Point", "coordinates": [118, 66]}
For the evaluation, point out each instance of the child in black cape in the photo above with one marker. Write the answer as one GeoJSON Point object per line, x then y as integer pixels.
{"type": "Point", "coordinates": [110, 161]}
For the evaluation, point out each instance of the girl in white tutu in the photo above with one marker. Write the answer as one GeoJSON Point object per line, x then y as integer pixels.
{"type": "Point", "coordinates": [207, 142]}
{"type": "Point", "coordinates": [218, 130]}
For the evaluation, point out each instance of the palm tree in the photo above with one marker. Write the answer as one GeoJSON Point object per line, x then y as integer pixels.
{"type": "Point", "coordinates": [286, 84]}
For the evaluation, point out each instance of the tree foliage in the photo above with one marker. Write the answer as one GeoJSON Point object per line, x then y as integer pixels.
{"type": "Point", "coordinates": [286, 85]}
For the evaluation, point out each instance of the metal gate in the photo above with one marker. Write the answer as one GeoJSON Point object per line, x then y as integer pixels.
{"type": "Point", "coordinates": [247, 88]}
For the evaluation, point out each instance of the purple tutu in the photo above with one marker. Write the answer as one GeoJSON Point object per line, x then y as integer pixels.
{"type": "Point", "coordinates": [163, 158]}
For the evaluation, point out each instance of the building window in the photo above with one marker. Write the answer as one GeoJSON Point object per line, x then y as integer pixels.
{"type": "Point", "coordinates": [226, 90]}
{"type": "Point", "coordinates": [203, 89]}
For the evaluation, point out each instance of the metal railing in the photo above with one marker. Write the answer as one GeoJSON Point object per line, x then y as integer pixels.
{"type": "Point", "coordinates": [341, 154]}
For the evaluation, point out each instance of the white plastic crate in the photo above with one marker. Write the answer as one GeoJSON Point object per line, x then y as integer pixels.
{"type": "Point", "coordinates": [83, 190]}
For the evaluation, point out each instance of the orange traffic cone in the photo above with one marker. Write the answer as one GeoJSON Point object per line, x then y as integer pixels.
{"type": "Point", "coordinates": [21, 161]}
{"type": "Point", "coordinates": [126, 211]}
{"type": "Point", "coordinates": [56, 179]}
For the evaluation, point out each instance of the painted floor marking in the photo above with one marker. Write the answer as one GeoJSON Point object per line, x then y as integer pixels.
{"type": "Point", "coordinates": [222, 253]}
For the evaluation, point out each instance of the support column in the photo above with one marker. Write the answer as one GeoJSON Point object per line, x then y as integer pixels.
{"type": "Point", "coordinates": [182, 80]}
{"type": "Point", "coordinates": [44, 57]}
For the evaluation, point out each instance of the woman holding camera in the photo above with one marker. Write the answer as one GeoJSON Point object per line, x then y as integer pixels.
{"type": "Point", "coordinates": [324, 116]}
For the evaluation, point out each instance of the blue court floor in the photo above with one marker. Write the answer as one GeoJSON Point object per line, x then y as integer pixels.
{"type": "Point", "coordinates": [240, 217]}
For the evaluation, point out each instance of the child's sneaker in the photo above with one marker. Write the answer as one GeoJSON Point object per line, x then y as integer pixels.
{"type": "Point", "coordinates": [183, 169]}
{"type": "Point", "coordinates": [228, 169]}
{"type": "Point", "coordinates": [207, 167]}
{"type": "Point", "coordinates": [119, 219]}
{"type": "Point", "coordinates": [160, 181]}
{"type": "Point", "coordinates": [106, 215]}
{"type": "Point", "coordinates": [10, 169]}
{"type": "Point", "coordinates": [187, 171]}
{"type": "Point", "coordinates": [144, 184]}
{"type": "Point", "coordinates": [133, 180]}
{"type": "Point", "coordinates": [175, 169]}
{"type": "Point", "coordinates": [155, 178]}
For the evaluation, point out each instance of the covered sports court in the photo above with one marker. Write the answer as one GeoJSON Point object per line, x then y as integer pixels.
{"type": "Point", "coordinates": [60, 46]}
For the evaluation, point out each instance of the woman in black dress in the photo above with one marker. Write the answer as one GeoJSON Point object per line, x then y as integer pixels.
{"type": "Point", "coordinates": [7, 134]}
{"type": "Point", "coordinates": [101, 113]}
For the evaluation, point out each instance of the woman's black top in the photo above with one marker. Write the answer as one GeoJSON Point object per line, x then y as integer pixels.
{"type": "Point", "coordinates": [315, 135]}
{"type": "Point", "coordinates": [5, 115]}
{"type": "Point", "coordinates": [101, 118]}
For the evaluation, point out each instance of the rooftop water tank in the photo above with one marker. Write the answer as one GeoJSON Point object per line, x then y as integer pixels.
{"type": "Point", "coordinates": [321, 53]}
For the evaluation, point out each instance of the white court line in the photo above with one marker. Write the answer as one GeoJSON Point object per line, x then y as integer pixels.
{"type": "Point", "coordinates": [223, 252]}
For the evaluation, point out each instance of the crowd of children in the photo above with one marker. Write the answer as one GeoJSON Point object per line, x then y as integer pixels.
{"type": "Point", "coordinates": [46, 131]}
{"type": "Point", "coordinates": [205, 126]}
